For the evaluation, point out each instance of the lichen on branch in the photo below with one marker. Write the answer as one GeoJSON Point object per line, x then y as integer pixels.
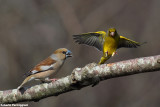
{"type": "Point", "coordinates": [91, 74]}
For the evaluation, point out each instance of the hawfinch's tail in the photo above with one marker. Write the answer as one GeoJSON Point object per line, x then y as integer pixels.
{"type": "Point", "coordinates": [29, 78]}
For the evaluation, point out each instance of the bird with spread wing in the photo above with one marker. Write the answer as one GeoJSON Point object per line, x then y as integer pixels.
{"type": "Point", "coordinates": [108, 42]}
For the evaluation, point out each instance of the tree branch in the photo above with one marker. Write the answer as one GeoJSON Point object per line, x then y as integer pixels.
{"type": "Point", "coordinates": [82, 77]}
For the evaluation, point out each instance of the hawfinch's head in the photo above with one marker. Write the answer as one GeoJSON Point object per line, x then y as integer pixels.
{"type": "Point", "coordinates": [62, 53]}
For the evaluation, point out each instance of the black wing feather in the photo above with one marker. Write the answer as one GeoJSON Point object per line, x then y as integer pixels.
{"type": "Point", "coordinates": [127, 43]}
{"type": "Point", "coordinates": [91, 39]}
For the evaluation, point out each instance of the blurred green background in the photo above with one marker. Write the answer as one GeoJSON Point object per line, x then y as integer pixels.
{"type": "Point", "coordinates": [30, 30]}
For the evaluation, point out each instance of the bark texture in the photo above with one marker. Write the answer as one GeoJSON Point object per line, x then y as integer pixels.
{"type": "Point", "coordinates": [91, 74]}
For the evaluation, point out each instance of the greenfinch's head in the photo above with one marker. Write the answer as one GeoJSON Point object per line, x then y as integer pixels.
{"type": "Point", "coordinates": [112, 32]}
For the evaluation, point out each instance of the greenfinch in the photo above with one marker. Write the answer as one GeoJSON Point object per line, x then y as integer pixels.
{"type": "Point", "coordinates": [108, 42]}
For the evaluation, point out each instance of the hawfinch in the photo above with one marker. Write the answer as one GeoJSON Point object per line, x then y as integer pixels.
{"type": "Point", "coordinates": [47, 67]}
{"type": "Point", "coordinates": [107, 42]}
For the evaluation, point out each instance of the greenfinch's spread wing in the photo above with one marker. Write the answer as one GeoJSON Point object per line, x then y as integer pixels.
{"type": "Point", "coordinates": [95, 39]}
{"type": "Point", "coordinates": [127, 43]}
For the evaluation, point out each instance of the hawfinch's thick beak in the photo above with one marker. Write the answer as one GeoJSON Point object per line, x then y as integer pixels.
{"type": "Point", "coordinates": [68, 53]}
{"type": "Point", "coordinates": [112, 33]}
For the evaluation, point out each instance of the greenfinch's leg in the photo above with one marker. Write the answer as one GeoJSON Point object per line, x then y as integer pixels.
{"type": "Point", "coordinates": [114, 53]}
{"type": "Point", "coordinates": [106, 53]}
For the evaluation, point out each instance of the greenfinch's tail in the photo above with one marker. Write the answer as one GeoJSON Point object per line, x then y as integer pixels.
{"type": "Point", "coordinates": [104, 59]}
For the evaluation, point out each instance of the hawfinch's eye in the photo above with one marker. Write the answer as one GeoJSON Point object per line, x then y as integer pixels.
{"type": "Point", "coordinates": [64, 52]}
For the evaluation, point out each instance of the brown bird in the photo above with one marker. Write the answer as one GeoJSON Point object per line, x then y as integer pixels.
{"type": "Point", "coordinates": [49, 66]}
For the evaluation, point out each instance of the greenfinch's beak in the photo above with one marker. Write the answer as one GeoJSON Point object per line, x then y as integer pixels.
{"type": "Point", "coordinates": [112, 34]}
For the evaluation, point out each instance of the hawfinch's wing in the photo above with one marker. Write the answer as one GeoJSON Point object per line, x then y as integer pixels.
{"type": "Point", "coordinates": [127, 43]}
{"type": "Point", "coordinates": [95, 39]}
{"type": "Point", "coordinates": [47, 64]}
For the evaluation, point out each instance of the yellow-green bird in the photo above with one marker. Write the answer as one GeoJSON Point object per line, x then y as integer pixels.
{"type": "Point", "coordinates": [108, 42]}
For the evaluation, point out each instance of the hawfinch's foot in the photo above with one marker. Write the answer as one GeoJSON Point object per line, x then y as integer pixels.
{"type": "Point", "coordinates": [53, 80]}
